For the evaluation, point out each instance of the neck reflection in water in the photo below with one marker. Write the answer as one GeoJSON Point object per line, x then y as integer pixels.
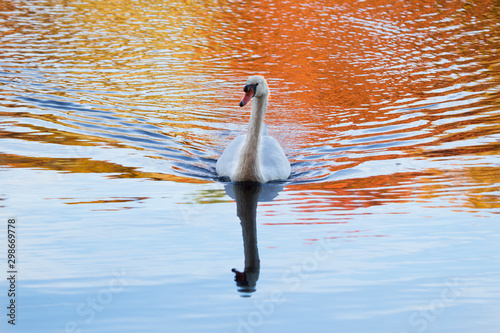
{"type": "Point", "coordinates": [247, 196]}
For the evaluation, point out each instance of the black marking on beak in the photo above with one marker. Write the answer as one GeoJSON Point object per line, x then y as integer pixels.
{"type": "Point", "coordinates": [249, 93]}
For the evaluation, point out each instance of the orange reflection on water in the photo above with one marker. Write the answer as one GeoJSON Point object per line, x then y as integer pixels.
{"type": "Point", "coordinates": [85, 165]}
{"type": "Point", "coordinates": [362, 54]}
{"type": "Point", "coordinates": [352, 83]}
{"type": "Point", "coordinates": [339, 66]}
{"type": "Point", "coordinates": [422, 76]}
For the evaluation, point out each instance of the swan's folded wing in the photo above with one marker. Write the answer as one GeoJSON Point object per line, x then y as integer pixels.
{"type": "Point", "coordinates": [273, 163]}
{"type": "Point", "coordinates": [228, 161]}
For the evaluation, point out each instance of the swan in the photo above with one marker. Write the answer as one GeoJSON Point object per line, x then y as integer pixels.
{"type": "Point", "coordinates": [256, 156]}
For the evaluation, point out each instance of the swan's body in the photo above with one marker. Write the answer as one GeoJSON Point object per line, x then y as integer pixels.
{"type": "Point", "coordinates": [254, 157]}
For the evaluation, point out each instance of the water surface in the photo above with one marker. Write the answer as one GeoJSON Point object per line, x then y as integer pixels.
{"type": "Point", "coordinates": [113, 114]}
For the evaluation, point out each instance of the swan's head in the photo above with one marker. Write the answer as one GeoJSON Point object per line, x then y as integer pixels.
{"type": "Point", "coordinates": [256, 86]}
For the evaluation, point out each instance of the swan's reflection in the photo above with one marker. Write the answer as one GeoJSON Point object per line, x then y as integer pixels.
{"type": "Point", "coordinates": [247, 195]}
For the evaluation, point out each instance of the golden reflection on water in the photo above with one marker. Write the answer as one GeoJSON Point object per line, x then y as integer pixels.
{"type": "Point", "coordinates": [352, 83]}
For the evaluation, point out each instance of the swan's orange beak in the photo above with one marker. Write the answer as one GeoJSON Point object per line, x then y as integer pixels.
{"type": "Point", "coordinates": [249, 92]}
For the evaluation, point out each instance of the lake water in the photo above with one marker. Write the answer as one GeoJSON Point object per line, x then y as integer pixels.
{"type": "Point", "coordinates": [113, 114]}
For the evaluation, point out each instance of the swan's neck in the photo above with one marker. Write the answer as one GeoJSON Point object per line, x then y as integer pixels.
{"type": "Point", "coordinates": [249, 164]}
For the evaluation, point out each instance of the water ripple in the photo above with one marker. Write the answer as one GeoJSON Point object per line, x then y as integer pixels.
{"type": "Point", "coordinates": [366, 85]}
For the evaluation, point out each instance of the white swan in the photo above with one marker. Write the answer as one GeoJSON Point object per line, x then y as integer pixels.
{"type": "Point", "coordinates": [254, 157]}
